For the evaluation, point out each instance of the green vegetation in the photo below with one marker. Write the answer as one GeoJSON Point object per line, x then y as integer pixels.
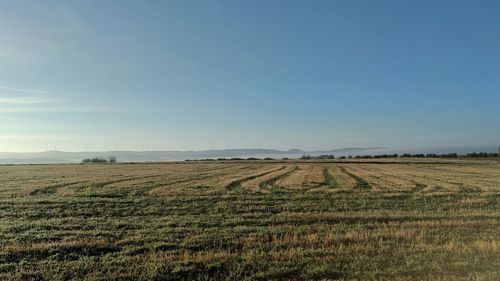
{"type": "Point", "coordinates": [98, 160]}
{"type": "Point", "coordinates": [329, 179]}
{"type": "Point", "coordinates": [251, 221]}
{"type": "Point", "coordinates": [360, 182]}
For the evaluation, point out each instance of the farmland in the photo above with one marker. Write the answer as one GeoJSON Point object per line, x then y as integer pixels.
{"type": "Point", "coordinates": [260, 220]}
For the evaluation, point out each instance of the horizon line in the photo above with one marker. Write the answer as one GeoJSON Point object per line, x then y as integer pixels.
{"type": "Point", "coordinates": [202, 150]}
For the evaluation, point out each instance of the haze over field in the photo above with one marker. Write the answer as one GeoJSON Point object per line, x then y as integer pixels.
{"type": "Point", "coordinates": [213, 75]}
{"type": "Point", "coordinates": [141, 156]}
{"type": "Point", "coordinates": [49, 157]}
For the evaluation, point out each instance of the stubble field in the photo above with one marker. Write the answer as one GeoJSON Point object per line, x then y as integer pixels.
{"type": "Point", "coordinates": [261, 220]}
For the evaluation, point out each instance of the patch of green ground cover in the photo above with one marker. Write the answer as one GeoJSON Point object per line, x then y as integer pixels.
{"type": "Point", "coordinates": [329, 179]}
{"type": "Point", "coordinates": [360, 182]}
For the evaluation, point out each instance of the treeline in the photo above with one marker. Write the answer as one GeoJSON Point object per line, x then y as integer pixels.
{"type": "Point", "coordinates": [451, 155]}
{"type": "Point", "coordinates": [325, 156]}
{"type": "Point", "coordinates": [482, 154]}
{"type": "Point", "coordinates": [421, 155]}
{"type": "Point", "coordinates": [234, 159]}
{"type": "Point", "coordinates": [370, 156]}
{"type": "Point", "coordinates": [99, 160]}
{"type": "Point", "coordinates": [379, 156]}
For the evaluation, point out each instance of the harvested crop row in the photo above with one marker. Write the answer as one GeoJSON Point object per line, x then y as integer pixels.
{"type": "Point", "coordinates": [469, 177]}
{"type": "Point", "coordinates": [271, 181]}
{"type": "Point", "coordinates": [207, 182]}
{"type": "Point", "coordinates": [343, 180]}
{"type": "Point", "coordinates": [264, 181]}
{"type": "Point", "coordinates": [306, 176]}
{"type": "Point", "coordinates": [389, 177]}
{"type": "Point", "coordinates": [237, 181]}
{"type": "Point", "coordinates": [427, 180]}
{"type": "Point", "coordinates": [361, 183]}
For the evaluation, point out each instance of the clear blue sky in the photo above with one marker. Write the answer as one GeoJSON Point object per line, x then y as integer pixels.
{"type": "Point", "coordinates": [178, 75]}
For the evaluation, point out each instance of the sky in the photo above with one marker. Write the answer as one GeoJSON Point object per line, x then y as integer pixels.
{"type": "Point", "coordinates": [281, 74]}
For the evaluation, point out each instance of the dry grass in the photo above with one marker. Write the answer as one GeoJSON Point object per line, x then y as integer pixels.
{"type": "Point", "coordinates": [393, 220]}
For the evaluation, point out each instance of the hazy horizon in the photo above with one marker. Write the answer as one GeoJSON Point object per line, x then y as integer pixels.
{"type": "Point", "coordinates": [380, 150]}
{"type": "Point", "coordinates": [202, 75]}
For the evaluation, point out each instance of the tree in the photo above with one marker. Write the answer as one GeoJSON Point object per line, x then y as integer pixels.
{"type": "Point", "coordinates": [95, 160]}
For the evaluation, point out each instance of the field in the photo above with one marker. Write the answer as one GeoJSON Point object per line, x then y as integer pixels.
{"type": "Point", "coordinates": [267, 220]}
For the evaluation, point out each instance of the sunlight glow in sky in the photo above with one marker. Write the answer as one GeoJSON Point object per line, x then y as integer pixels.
{"type": "Point", "coordinates": [192, 75]}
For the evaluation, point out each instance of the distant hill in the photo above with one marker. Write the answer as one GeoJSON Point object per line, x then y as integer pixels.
{"type": "Point", "coordinates": [143, 156]}
{"type": "Point", "coordinates": [50, 157]}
